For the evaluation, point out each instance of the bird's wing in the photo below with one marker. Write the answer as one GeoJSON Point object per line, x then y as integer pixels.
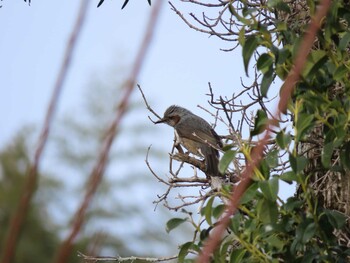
{"type": "Point", "coordinates": [192, 132]}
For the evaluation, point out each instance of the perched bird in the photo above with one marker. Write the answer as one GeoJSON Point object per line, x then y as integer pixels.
{"type": "Point", "coordinates": [196, 135]}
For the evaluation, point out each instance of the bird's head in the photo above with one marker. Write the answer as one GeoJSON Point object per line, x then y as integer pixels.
{"type": "Point", "coordinates": [173, 115]}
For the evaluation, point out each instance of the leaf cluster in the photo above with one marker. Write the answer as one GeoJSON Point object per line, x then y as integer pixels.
{"type": "Point", "coordinates": [267, 228]}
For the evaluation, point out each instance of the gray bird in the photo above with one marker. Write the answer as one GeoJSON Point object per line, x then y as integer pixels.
{"type": "Point", "coordinates": [196, 135]}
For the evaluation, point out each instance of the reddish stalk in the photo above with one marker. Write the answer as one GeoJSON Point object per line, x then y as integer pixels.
{"type": "Point", "coordinates": [98, 169]}
{"type": "Point", "coordinates": [257, 153]}
{"type": "Point", "coordinates": [32, 177]}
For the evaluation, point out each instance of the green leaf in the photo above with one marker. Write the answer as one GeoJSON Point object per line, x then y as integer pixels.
{"type": "Point", "coordinates": [241, 36]}
{"type": "Point", "coordinates": [235, 223]}
{"type": "Point", "coordinates": [298, 163]}
{"type": "Point", "coordinates": [344, 41]}
{"type": "Point", "coordinates": [336, 218]}
{"type": "Point", "coordinates": [250, 193]}
{"type": "Point", "coordinates": [184, 249]}
{"type": "Point", "coordinates": [267, 211]}
{"type": "Point", "coordinates": [269, 189]}
{"type": "Point", "coordinates": [304, 123]}
{"type": "Point", "coordinates": [289, 177]}
{"type": "Point", "coordinates": [340, 72]}
{"type": "Point", "coordinates": [292, 204]}
{"type": "Point", "coordinates": [260, 123]}
{"type": "Point", "coordinates": [218, 210]}
{"type": "Point", "coordinates": [207, 210]}
{"type": "Point", "coordinates": [238, 16]}
{"type": "Point", "coordinates": [266, 82]}
{"type": "Point", "coordinates": [237, 255]}
{"type": "Point", "coordinates": [345, 156]}
{"type": "Point", "coordinates": [283, 139]}
{"type": "Point", "coordinates": [309, 232]}
{"type": "Point", "coordinates": [276, 242]}
{"type": "Point", "coordinates": [264, 63]}
{"type": "Point", "coordinates": [315, 61]}
{"type": "Point", "coordinates": [279, 5]}
{"type": "Point", "coordinates": [272, 158]}
{"type": "Point", "coordinates": [327, 153]}
{"type": "Point", "coordinates": [249, 47]}
{"type": "Point", "coordinates": [173, 223]}
{"type": "Point", "coordinates": [226, 160]}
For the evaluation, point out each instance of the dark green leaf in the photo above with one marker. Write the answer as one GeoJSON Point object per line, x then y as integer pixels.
{"type": "Point", "coordinates": [289, 177]}
{"type": "Point", "coordinates": [264, 63]}
{"type": "Point", "coordinates": [250, 193]}
{"type": "Point", "coordinates": [266, 82]}
{"type": "Point", "coordinates": [173, 223]}
{"type": "Point", "coordinates": [279, 5]}
{"type": "Point", "coordinates": [226, 160]}
{"type": "Point", "coordinates": [309, 232]}
{"type": "Point", "coordinates": [184, 251]}
{"type": "Point", "coordinates": [208, 210]}
{"type": "Point", "coordinates": [238, 16]}
{"type": "Point", "coordinates": [327, 153]}
{"type": "Point", "coordinates": [249, 48]}
{"type": "Point", "coordinates": [267, 211]}
{"type": "Point", "coordinates": [340, 72]}
{"type": "Point", "coordinates": [344, 41]}
{"type": "Point", "coordinates": [218, 210]}
{"type": "Point", "coordinates": [259, 123]}
{"type": "Point", "coordinates": [303, 123]}
{"type": "Point", "coordinates": [283, 139]}
{"type": "Point", "coordinates": [315, 61]}
{"type": "Point", "coordinates": [276, 242]}
{"type": "Point", "coordinates": [235, 223]}
{"type": "Point", "coordinates": [270, 189]}
{"type": "Point", "coordinates": [272, 158]}
{"type": "Point", "coordinates": [237, 255]}
{"type": "Point", "coordinates": [297, 163]}
{"type": "Point", "coordinates": [336, 218]}
{"type": "Point", "coordinates": [292, 204]}
{"type": "Point", "coordinates": [204, 234]}
{"type": "Point", "coordinates": [345, 156]}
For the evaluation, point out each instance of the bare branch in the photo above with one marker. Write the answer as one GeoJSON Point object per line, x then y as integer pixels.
{"type": "Point", "coordinates": [125, 259]}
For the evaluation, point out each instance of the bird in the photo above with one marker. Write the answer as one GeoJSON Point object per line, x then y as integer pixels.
{"type": "Point", "coordinates": [196, 135]}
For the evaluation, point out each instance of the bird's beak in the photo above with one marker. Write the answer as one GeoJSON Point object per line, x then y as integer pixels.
{"type": "Point", "coordinates": [160, 121]}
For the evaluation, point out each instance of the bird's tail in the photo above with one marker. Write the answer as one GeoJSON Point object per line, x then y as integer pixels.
{"type": "Point", "coordinates": [212, 163]}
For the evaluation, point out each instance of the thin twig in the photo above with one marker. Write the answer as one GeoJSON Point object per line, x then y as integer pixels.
{"type": "Point", "coordinates": [126, 259]}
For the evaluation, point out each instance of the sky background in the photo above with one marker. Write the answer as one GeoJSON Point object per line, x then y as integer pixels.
{"type": "Point", "coordinates": [178, 66]}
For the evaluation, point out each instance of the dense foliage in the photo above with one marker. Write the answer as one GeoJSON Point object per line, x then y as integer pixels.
{"type": "Point", "coordinates": [302, 228]}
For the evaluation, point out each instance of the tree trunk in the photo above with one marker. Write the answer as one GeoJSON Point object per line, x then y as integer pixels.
{"type": "Point", "coordinates": [331, 188]}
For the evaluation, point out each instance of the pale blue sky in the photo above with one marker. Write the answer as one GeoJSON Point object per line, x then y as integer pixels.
{"type": "Point", "coordinates": [179, 65]}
